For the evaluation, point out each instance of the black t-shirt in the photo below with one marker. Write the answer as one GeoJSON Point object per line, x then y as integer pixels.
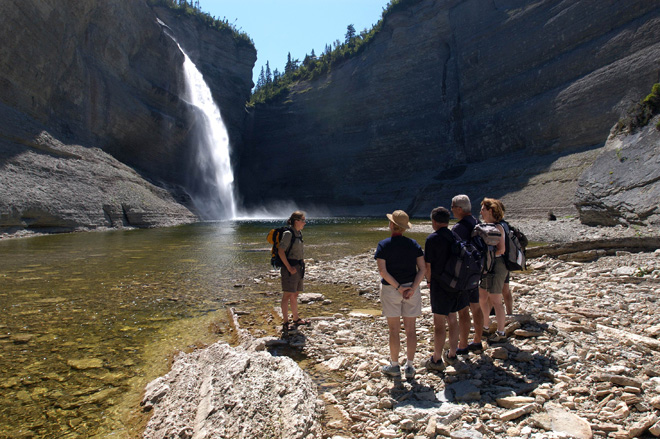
{"type": "Point", "coordinates": [437, 250]}
{"type": "Point", "coordinates": [464, 227]}
{"type": "Point", "coordinates": [400, 254]}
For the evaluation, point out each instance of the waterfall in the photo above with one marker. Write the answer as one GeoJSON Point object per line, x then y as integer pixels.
{"type": "Point", "coordinates": [213, 188]}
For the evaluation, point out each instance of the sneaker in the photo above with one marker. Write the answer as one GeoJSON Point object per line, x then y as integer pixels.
{"type": "Point", "coordinates": [498, 337]}
{"type": "Point", "coordinates": [485, 331]}
{"type": "Point", "coordinates": [432, 365]}
{"type": "Point", "coordinates": [477, 348]}
{"type": "Point", "coordinates": [392, 370]}
{"type": "Point", "coordinates": [463, 351]}
{"type": "Point", "coordinates": [409, 371]}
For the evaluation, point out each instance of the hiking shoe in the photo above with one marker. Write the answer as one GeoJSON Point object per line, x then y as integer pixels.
{"type": "Point", "coordinates": [451, 360]}
{"type": "Point", "coordinates": [485, 331]}
{"type": "Point", "coordinates": [432, 365]}
{"type": "Point", "coordinates": [463, 351]}
{"type": "Point", "coordinates": [409, 371]}
{"type": "Point", "coordinates": [498, 337]}
{"type": "Point", "coordinates": [477, 348]}
{"type": "Point", "coordinates": [392, 370]}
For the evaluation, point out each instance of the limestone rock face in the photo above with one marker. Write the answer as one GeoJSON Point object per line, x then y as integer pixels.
{"type": "Point", "coordinates": [623, 185]}
{"type": "Point", "coordinates": [48, 186]}
{"type": "Point", "coordinates": [457, 96]}
{"type": "Point", "coordinates": [222, 391]}
{"type": "Point", "coordinates": [104, 74]}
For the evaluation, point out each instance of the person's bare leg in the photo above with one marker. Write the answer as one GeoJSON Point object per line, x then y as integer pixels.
{"type": "Point", "coordinates": [394, 328]}
{"type": "Point", "coordinates": [411, 337]}
{"type": "Point", "coordinates": [464, 323]}
{"type": "Point", "coordinates": [439, 335]}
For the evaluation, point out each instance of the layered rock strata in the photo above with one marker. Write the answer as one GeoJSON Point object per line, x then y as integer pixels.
{"type": "Point", "coordinates": [104, 74]}
{"type": "Point", "coordinates": [451, 97]}
{"type": "Point", "coordinates": [623, 185]}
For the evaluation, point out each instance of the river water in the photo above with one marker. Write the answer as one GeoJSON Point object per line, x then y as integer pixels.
{"type": "Point", "coordinates": [88, 319]}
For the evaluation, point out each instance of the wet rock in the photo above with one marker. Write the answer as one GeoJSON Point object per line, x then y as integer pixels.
{"type": "Point", "coordinates": [85, 363]}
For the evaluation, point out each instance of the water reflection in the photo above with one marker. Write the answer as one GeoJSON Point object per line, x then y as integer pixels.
{"type": "Point", "coordinates": [88, 319]}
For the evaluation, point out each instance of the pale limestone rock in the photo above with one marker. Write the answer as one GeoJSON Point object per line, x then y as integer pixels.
{"type": "Point", "coordinates": [557, 419]}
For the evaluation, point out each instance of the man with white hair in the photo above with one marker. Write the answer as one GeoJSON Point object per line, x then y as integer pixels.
{"type": "Point", "coordinates": [461, 208]}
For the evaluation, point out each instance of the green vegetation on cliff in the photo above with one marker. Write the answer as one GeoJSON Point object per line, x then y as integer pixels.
{"type": "Point", "coordinates": [191, 8]}
{"type": "Point", "coordinates": [640, 114]}
{"type": "Point", "coordinates": [271, 87]}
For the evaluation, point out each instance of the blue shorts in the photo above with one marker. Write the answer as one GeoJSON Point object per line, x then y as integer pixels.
{"type": "Point", "coordinates": [444, 302]}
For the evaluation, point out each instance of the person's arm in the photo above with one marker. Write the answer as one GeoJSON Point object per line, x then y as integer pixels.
{"type": "Point", "coordinates": [421, 271]}
{"type": "Point", "coordinates": [282, 253]}
{"type": "Point", "coordinates": [501, 246]}
{"type": "Point", "coordinates": [382, 270]}
{"type": "Point", "coordinates": [428, 272]}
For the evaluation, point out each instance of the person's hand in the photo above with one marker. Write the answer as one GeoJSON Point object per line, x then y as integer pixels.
{"type": "Point", "coordinates": [292, 270]}
{"type": "Point", "coordinates": [408, 293]}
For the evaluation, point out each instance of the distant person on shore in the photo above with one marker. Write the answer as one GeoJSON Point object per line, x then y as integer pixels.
{"type": "Point", "coordinates": [490, 288]}
{"type": "Point", "coordinates": [445, 301]}
{"type": "Point", "coordinates": [461, 207]}
{"type": "Point", "coordinates": [401, 266]}
{"type": "Point", "coordinates": [293, 270]}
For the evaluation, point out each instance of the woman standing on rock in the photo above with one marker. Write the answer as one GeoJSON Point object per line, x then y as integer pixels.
{"type": "Point", "coordinates": [401, 265]}
{"type": "Point", "coordinates": [490, 288]}
{"type": "Point", "coordinates": [293, 269]}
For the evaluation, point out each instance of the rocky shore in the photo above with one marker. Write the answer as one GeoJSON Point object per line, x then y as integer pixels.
{"type": "Point", "coordinates": [582, 356]}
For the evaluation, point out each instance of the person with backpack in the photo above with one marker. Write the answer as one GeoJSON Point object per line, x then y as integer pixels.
{"type": "Point", "coordinates": [290, 252]}
{"type": "Point", "coordinates": [445, 300]}
{"type": "Point", "coordinates": [490, 288]}
{"type": "Point", "coordinates": [401, 266]}
{"type": "Point", "coordinates": [461, 208]}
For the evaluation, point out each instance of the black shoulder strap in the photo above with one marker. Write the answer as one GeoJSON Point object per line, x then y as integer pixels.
{"type": "Point", "coordinates": [293, 239]}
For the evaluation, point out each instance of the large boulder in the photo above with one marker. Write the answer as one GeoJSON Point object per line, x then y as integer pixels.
{"type": "Point", "coordinates": [623, 185]}
{"type": "Point", "coordinates": [222, 391]}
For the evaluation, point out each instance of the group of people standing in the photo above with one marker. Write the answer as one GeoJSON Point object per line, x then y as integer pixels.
{"type": "Point", "coordinates": [403, 265]}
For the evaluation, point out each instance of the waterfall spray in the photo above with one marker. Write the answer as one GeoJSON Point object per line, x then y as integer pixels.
{"type": "Point", "coordinates": [215, 198]}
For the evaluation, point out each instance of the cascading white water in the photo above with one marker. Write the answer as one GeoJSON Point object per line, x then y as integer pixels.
{"type": "Point", "coordinates": [216, 199]}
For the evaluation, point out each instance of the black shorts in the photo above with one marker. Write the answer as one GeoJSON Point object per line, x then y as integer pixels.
{"type": "Point", "coordinates": [444, 302]}
{"type": "Point", "coordinates": [473, 295]}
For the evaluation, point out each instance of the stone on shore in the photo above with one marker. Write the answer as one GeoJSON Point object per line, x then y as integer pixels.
{"type": "Point", "coordinates": [222, 391]}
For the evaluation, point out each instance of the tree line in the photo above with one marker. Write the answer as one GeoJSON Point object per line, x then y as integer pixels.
{"type": "Point", "coordinates": [272, 85]}
{"type": "Point", "coordinates": [192, 8]}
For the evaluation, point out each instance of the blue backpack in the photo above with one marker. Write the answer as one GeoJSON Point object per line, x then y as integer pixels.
{"type": "Point", "coordinates": [464, 266]}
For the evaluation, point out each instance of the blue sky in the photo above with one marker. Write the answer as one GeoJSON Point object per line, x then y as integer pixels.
{"type": "Point", "coordinates": [278, 27]}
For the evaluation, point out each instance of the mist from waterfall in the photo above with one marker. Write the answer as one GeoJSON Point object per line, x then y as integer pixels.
{"type": "Point", "coordinates": [213, 191]}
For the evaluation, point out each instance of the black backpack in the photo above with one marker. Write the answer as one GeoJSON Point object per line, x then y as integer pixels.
{"type": "Point", "coordinates": [464, 266]}
{"type": "Point", "coordinates": [274, 237]}
{"type": "Point", "coordinates": [515, 244]}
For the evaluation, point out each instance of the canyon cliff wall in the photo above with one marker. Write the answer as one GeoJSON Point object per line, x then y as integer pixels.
{"type": "Point", "coordinates": [104, 74]}
{"type": "Point", "coordinates": [508, 99]}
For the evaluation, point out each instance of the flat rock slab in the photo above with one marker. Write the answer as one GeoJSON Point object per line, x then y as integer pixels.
{"type": "Point", "coordinates": [556, 419]}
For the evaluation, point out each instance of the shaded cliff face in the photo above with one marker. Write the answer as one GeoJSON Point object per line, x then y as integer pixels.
{"type": "Point", "coordinates": [103, 73]}
{"type": "Point", "coordinates": [483, 98]}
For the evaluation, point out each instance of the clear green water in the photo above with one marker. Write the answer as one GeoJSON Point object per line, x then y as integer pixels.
{"type": "Point", "coordinates": [88, 319]}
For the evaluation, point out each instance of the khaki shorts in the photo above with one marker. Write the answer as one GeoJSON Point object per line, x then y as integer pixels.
{"type": "Point", "coordinates": [493, 282]}
{"type": "Point", "coordinates": [395, 306]}
{"type": "Point", "coordinates": [292, 283]}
